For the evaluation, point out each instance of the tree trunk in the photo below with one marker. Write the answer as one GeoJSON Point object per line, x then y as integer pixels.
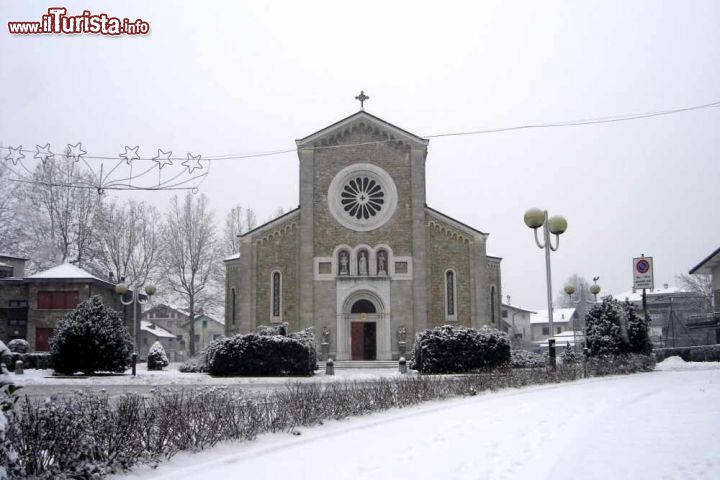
{"type": "Point", "coordinates": [191, 350]}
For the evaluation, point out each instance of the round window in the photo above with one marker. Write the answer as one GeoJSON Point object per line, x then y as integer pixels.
{"type": "Point", "coordinates": [362, 197]}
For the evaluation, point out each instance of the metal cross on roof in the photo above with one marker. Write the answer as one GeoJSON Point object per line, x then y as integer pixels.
{"type": "Point", "coordinates": [362, 97]}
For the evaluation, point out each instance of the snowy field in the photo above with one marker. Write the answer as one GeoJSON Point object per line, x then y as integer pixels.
{"type": "Point", "coordinates": [659, 425]}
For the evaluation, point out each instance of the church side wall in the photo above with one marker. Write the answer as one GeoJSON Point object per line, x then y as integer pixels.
{"type": "Point", "coordinates": [448, 250]}
{"type": "Point", "coordinates": [277, 249]}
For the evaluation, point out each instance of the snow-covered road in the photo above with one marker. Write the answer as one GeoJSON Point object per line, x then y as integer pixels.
{"type": "Point", "coordinates": [659, 425]}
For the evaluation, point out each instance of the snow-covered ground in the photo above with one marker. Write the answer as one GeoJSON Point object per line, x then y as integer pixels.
{"type": "Point", "coordinates": [172, 376]}
{"type": "Point", "coordinates": [659, 425]}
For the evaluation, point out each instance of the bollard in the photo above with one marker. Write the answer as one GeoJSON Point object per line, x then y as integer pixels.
{"type": "Point", "coordinates": [551, 345]}
{"type": "Point", "coordinates": [134, 363]}
{"type": "Point", "coordinates": [19, 367]}
{"type": "Point", "coordinates": [329, 367]}
{"type": "Point", "coordinates": [403, 365]}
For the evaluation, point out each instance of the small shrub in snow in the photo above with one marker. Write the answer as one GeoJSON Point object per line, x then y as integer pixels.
{"type": "Point", "coordinates": [269, 330]}
{"type": "Point", "coordinates": [92, 338]}
{"type": "Point", "coordinates": [260, 355]}
{"type": "Point", "coordinates": [568, 355]}
{"type": "Point", "coordinates": [525, 359]}
{"type": "Point", "coordinates": [194, 365]}
{"type": "Point", "coordinates": [454, 349]}
{"type": "Point", "coordinates": [157, 359]}
{"type": "Point", "coordinates": [18, 345]}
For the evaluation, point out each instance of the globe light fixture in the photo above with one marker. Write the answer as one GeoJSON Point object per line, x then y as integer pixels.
{"type": "Point", "coordinates": [556, 225]}
{"type": "Point", "coordinates": [569, 289]}
{"type": "Point", "coordinates": [121, 289]}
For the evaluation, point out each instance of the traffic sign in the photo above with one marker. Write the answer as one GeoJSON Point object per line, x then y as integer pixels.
{"type": "Point", "coordinates": [643, 273]}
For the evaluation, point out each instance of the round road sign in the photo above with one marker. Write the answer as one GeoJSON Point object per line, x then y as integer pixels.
{"type": "Point", "coordinates": [642, 266]}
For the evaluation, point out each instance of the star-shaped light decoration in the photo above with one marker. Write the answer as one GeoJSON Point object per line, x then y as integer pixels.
{"type": "Point", "coordinates": [43, 153]}
{"type": "Point", "coordinates": [76, 151]}
{"type": "Point", "coordinates": [130, 154]}
{"type": "Point", "coordinates": [192, 163]}
{"type": "Point", "coordinates": [163, 158]}
{"type": "Point", "coordinates": [15, 154]}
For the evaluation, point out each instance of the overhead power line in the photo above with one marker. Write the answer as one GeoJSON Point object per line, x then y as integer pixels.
{"type": "Point", "coordinates": [566, 123]}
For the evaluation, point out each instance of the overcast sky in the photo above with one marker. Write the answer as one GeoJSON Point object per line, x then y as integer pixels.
{"type": "Point", "coordinates": [231, 77]}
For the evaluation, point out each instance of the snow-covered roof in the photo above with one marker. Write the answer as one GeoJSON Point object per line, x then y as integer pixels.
{"type": "Point", "coordinates": [155, 330]}
{"type": "Point", "coordinates": [637, 295]}
{"type": "Point", "coordinates": [234, 256]}
{"type": "Point", "coordinates": [66, 270]}
{"type": "Point", "coordinates": [517, 307]}
{"type": "Point", "coordinates": [560, 315]}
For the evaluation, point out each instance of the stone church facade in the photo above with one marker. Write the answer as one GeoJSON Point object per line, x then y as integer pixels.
{"type": "Point", "coordinates": [363, 259]}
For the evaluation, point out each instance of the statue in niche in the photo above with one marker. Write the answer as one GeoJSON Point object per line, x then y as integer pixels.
{"type": "Point", "coordinates": [362, 264]}
{"type": "Point", "coordinates": [325, 335]}
{"type": "Point", "coordinates": [344, 263]}
{"type": "Point", "coordinates": [401, 334]}
{"type": "Point", "coordinates": [381, 264]}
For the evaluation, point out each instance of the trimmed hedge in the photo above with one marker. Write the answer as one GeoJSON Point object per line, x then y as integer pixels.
{"type": "Point", "coordinates": [455, 349]}
{"type": "Point", "coordinates": [261, 355]}
{"type": "Point", "coordinates": [38, 360]}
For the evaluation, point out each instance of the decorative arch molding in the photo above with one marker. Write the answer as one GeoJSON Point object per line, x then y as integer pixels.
{"type": "Point", "coordinates": [449, 232]}
{"type": "Point", "coordinates": [275, 234]}
{"type": "Point", "coordinates": [378, 293]}
{"type": "Point", "coordinates": [377, 134]}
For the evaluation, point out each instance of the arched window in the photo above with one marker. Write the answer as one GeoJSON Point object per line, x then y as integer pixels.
{"type": "Point", "coordinates": [276, 296]}
{"type": "Point", "coordinates": [232, 291]}
{"type": "Point", "coordinates": [492, 306]}
{"type": "Point", "coordinates": [363, 306]}
{"type": "Point", "coordinates": [343, 262]}
{"type": "Point", "coordinates": [450, 295]}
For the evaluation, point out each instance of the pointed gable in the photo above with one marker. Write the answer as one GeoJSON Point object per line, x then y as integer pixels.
{"type": "Point", "coordinates": [333, 134]}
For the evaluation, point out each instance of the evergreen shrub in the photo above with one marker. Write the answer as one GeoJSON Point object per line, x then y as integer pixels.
{"type": "Point", "coordinates": [262, 355]}
{"type": "Point", "coordinates": [92, 338]}
{"type": "Point", "coordinates": [157, 358]}
{"type": "Point", "coordinates": [455, 349]}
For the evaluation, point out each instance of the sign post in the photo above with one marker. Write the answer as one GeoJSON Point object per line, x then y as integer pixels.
{"type": "Point", "coordinates": [643, 277]}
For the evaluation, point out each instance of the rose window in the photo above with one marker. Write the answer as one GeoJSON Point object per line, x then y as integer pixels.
{"type": "Point", "coordinates": [362, 198]}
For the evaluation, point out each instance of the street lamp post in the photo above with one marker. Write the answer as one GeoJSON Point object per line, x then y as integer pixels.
{"type": "Point", "coordinates": [135, 300]}
{"type": "Point", "coordinates": [556, 225]}
{"type": "Point", "coordinates": [595, 288]}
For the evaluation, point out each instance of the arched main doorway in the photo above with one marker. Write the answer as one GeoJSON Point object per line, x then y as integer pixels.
{"type": "Point", "coordinates": [363, 330]}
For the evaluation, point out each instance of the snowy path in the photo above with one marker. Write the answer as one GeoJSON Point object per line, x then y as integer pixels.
{"type": "Point", "coordinates": [658, 425]}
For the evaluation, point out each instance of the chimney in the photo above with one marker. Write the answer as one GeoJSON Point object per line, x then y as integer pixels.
{"type": "Point", "coordinates": [665, 286]}
{"type": "Point", "coordinates": [508, 299]}
{"type": "Point", "coordinates": [110, 277]}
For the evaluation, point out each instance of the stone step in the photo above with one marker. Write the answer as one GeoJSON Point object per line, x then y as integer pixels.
{"type": "Point", "coordinates": [363, 364]}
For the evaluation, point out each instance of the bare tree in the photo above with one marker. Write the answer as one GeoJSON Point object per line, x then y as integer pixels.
{"type": "Point", "coordinates": [700, 284]}
{"type": "Point", "coordinates": [128, 240]}
{"type": "Point", "coordinates": [61, 210]}
{"type": "Point", "coordinates": [10, 215]}
{"type": "Point", "coordinates": [190, 255]}
{"type": "Point", "coordinates": [236, 223]}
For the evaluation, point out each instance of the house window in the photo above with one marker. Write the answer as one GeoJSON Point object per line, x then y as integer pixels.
{"type": "Point", "coordinates": [450, 295]}
{"type": "Point", "coordinates": [58, 300]}
{"type": "Point", "coordinates": [276, 296]}
{"type": "Point", "coordinates": [204, 323]}
{"type": "Point", "coordinates": [546, 330]}
{"type": "Point", "coordinates": [559, 330]}
{"type": "Point", "coordinates": [504, 314]}
{"type": "Point", "coordinates": [6, 272]}
{"type": "Point", "coordinates": [17, 303]}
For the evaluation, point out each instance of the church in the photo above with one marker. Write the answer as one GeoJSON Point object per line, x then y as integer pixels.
{"type": "Point", "coordinates": [362, 259]}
